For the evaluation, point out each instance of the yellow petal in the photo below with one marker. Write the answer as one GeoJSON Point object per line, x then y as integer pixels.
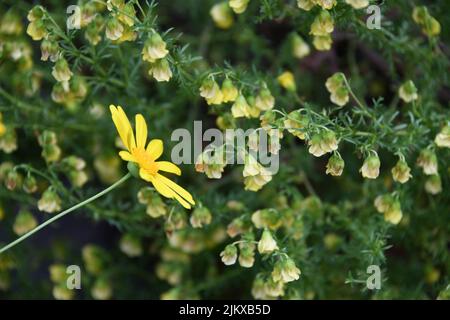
{"type": "Point", "coordinates": [125, 155]}
{"type": "Point", "coordinates": [128, 130]}
{"type": "Point", "coordinates": [155, 148]}
{"type": "Point", "coordinates": [145, 175]}
{"type": "Point", "coordinates": [141, 131]}
{"type": "Point", "coordinates": [162, 188]}
{"type": "Point", "coordinates": [168, 167]}
{"type": "Point", "coordinates": [123, 126]}
{"type": "Point", "coordinates": [175, 187]}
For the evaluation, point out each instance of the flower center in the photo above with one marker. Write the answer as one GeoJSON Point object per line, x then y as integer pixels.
{"type": "Point", "coordinates": [144, 160]}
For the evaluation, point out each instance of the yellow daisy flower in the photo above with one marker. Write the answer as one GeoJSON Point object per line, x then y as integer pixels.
{"type": "Point", "coordinates": [145, 157]}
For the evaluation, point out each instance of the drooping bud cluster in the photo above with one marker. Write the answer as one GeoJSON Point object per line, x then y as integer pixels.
{"type": "Point", "coordinates": [335, 165]}
{"type": "Point", "coordinates": [358, 4]}
{"type": "Point", "coordinates": [408, 92]}
{"type": "Point", "coordinates": [442, 139]}
{"type": "Point", "coordinates": [155, 52]}
{"type": "Point", "coordinates": [131, 245]}
{"type": "Point", "coordinates": [287, 81]}
{"type": "Point", "coordinates": [212, 162]}
{"type": "Point", "coordinates": [338, 89]}
{"type": "Point", "coordinates": [322, 143]}
{"type": "Point", "coordinates": [427, 160]}
{"type": "Point", "coordinates": [371, 167]}
{"type": "Point", "coordinates": [255, 175]}
{"type": "Point", "coordinates": [401, 172]}
{"type": "Point", "coordinates": [200, 216]}
{"type": "Point", "coordinates": [238, 6]}
{"type": "Point", "coordinates": [390, 207]}
{"type": "Point", "coordinates": [8, 138]}
{"type": "Point", "coordinates": [300, 48]}
{"type": "Point", "coordinates": [37, 28]}
{"type": "Point", "coordinates": [321, 29]}
{"type": "Point", "coordinates": [50, 201]}
{"type": "Point", "coordinates": [155, 205]}
{"type": "Point", "coordinates": [74, 167]}
{"type": "Point", "coordinates": [430, 26]}
{"type": "Point", "coordinates": [119, 26]}
{"type": "Point", "coordinates": [50, 149]}
{"type": "Point", "coordinates": [222, 15]}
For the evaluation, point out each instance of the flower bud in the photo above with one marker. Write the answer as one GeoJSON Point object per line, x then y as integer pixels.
{"type": "Point", "coordinates": [285, 271]}
{"type": "Point", "coordinates": [393, 213]}
{"type": "Point", "coordinates": [430, 26]}
{"type": "Point", "coordinates": [335, 165]}
{"type": "Point", "coordinates": [24, 222]}
{"type": "Point", "coordinates": [78, 178]}
{"type": "Point", "coordinates": [305, 4]}
{"type": "Point", "coordinates": [92, 33]}
{"type": "Point", "coordinates": [61, 292]}
{"type": "Point", "coordinates": [240, 108]}
{"type": "Point", "coordinates": [238, 6]}
{"type": "Point", "coordinates": [61, 71]}
{"type": "Point", "coordinates": [114, 29]}
{"type": "Point", "coordinates": [401, 172]}
{"type": "Point", "coordinates": [443, 138]}
{"type": "Point", "coordinates": [267, 243]}
{"type": "Point", "coordinates": [246, 255]}
{"type": "Point", "coordinates": [322, 43]}
{"type": "Point", "coordinates": [236, 227]}
{"type": "Point", "coordinates": [323, 24]}
{"type": "Point", "coordinates": [37, 30]}
{"type": "Point", "coordinates": [160, 70]}
{"type": "Point", "coordinates": [130, 245]}
{"type": "Point", "coordinates": [154, 48]}
{"type": "Point", "coordinates": [427, 160]}
{"type": "Point", "coordinates": [273, 289]}
{"type": "Point", "coordinates": [229, 255]}
{"type": "Point", "coordinates": [29, 184]}
{"type": "Point", "coordinates": [50, 201]}
{"type": "Point", "coordinates": [326, 4]}
{"type": "Point", "coordinates": [8, 141]}
{"type": "Point", "coordinates": [49, 49]}
{"type": "Point", "coordinates": [177, 221]}
{"type": "Point", "coordinates": [264, 100]}
{"type": "Point", "coordinates": [358, 4]}
{"type": "Point", "coordinates": [408, 92]}
{"type": "Point", "coordinates": [211, 165]}
{"type": "Point", "coordinates": [371, 167]}
{"type": "Point", "coordinates": [155, 205]}
{"type": "Point", "coordinates": [92, 258]}
{"type": "Point", "coordinates": [222, 15]}
{"type": "Point", "coordinates": [296, 123]}
{"type": "Point", "coordinates": [287, 81]}
{"type": "Point", "coordinates": [200, 216]}
{"type": "Point", "coordinates": [433, 185]}
{"type": "Point", "coordinates": [101, 290]}
{"type": "Point", "coordinates": [300, 48]}
{"type": "Point", "coordinates": [57, 273]}
{"type": "Point", "coordinates": [229, 91]}
{"type": "Point", "coordinates": [11, 23]}
{"type": "Point", "coordinates": [322, 143]}
{"type": "Point", "coordinates": [13, 179]}
{"type": "Point", "coordinates": [51, 153]}
{"type": "Point", "coordinates": [383, 202]}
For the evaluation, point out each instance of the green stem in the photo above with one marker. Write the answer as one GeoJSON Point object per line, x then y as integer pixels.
{"type": "Point", "coordinates": [62, 214]}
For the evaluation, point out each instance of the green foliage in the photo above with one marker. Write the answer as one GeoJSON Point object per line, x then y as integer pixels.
{"type": "Point", "coordinates": [353, 102]}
